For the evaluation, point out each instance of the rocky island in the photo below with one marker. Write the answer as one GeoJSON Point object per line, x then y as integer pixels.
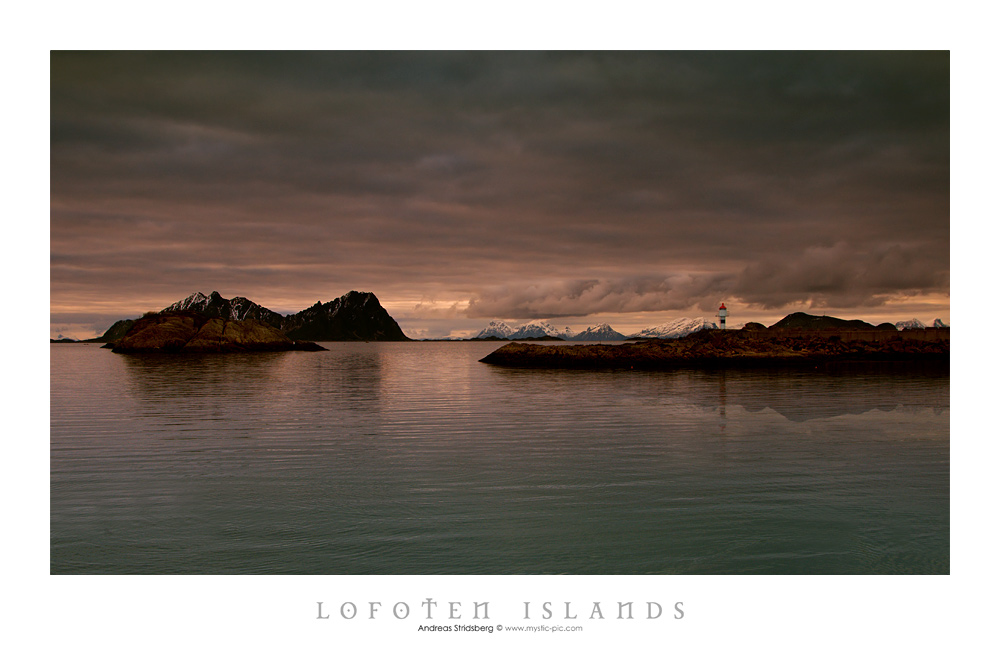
{"type": "Point", "coordinates": [355, 316]}
{"type": "Point", "coordinates": [746, 347]}
{"type": "Point", "coordinates": [185, 331]}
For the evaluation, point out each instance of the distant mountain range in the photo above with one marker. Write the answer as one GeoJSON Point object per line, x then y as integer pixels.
{"type": "Point", "coordinates": [682, 327]}
{"type": "Point", "coordinates": [533, 329]}
{"type": "Point", "coordinates": [600, 333]}
{"type": "Point", "coordinates": [542, 329]}
{"type": "Point", "coordinates": [911, 324]}
{"type": "Point", "coordinates": [353, 316]}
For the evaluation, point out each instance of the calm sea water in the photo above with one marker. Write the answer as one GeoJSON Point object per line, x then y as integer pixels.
{"type": "Point", "coordinates": [413, 458]}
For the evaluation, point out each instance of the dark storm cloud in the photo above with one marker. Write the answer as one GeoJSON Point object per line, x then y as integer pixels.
{"type": "Point", "coordinates": [841, 276]}
{"type": "Point", "coordinates": [537, 183]}
{"type": "Point", "coordinates": [576, 298]}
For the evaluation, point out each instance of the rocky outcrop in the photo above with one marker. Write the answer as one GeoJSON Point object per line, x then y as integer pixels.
{"type": "Point", "coordinates": [801, 320]}
{"type": "Point", "coordinates": [185, 331]}
{"type": "Point", "coordinates": [116, 332]}
{"type": "Point", "coordinates": [724, 348]}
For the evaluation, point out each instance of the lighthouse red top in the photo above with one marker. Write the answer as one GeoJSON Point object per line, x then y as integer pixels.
{"type": "Point", "coordinates": [722, 307]}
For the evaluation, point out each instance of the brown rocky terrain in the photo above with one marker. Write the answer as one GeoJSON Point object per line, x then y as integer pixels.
{"type": "Point", "coordinates": [187, 331]}
{"type": "Point", "coordinates": [713, 347]}
{"type": "Point", "coordinates": [353, 316]}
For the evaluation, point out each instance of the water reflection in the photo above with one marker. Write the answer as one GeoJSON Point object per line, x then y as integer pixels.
{"type": "Point", "coordinates": [158, 378]}
{"type": "Point", "coordinates": [798, 395]}
{"type": "Point", "coordinates": [349, 377]}
{"type": "Point", "coordinates": [802, 396]}
{"type": "Point", "coordinates": [413, 458]}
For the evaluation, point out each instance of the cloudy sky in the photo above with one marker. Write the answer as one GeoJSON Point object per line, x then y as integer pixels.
{"type": "Point", "coordinates": [622, 187]}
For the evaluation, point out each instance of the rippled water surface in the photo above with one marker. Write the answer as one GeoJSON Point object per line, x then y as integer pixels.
{"type": "Point", "coordinates": [413, 458]}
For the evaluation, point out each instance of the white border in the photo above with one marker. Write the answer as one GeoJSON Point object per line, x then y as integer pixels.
{"type": "Point", "coordinates": [270, 619]}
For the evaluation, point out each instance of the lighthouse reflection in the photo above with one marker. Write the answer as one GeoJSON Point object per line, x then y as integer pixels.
{"type": "Point", "coordinates": [722, 401]}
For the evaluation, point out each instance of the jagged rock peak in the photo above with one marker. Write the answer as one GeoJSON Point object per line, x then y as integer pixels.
{"type": "Point", "coordinates": [193, 302]}
{"type": "Point", "coordinates": [237, 309]}
{"type": "Point", "coordinates": [357, 315]}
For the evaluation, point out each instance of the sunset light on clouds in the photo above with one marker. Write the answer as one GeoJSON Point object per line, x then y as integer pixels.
{"type": "Point", "coordinates": [579, 187]}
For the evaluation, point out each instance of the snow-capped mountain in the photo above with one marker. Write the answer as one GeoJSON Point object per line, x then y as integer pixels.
{"type": "Point", "coordinates": [238, 308]}
{"type": "Point", "coordinates": [677, 328]}
{"type": "Point", "coordinates": [534, 329]}
{"type": "Point", "coordinates": [909, 324]}
{"type": "Point", "coordinates": [196, 301]}
{"type": "Point", "coordinates": [599, 333]}
{"type": "Point", "coordinates": [541, 328]}
{"type": "Point", "coordinates": [496, 329]}
{"type": "Point", "coordinates": [940, 324]}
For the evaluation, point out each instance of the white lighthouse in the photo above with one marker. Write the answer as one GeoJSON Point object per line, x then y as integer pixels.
{"type": "Point", "coordinates": [722, 316]}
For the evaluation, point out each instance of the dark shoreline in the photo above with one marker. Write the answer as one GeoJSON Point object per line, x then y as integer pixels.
{"type": "Point", "coordinates": [747, 349]}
